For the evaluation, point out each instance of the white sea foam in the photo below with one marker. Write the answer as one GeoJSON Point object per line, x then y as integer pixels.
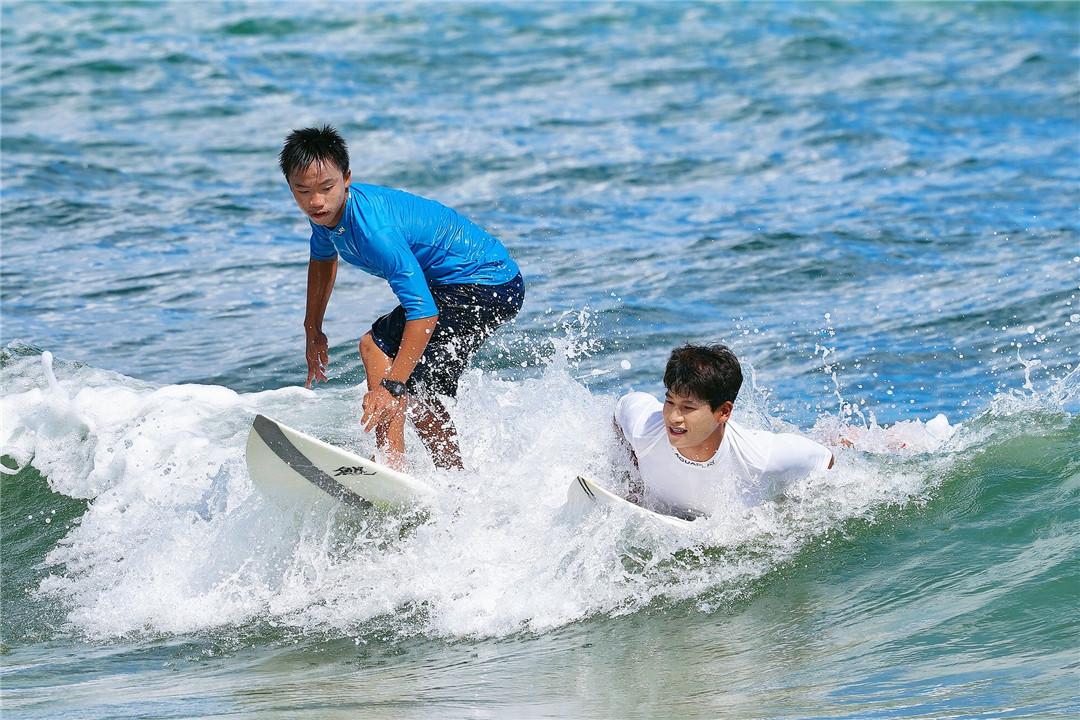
{"type": "Point", "coordinates": [176, 539]}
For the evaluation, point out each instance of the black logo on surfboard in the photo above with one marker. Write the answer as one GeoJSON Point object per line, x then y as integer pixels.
{"type": "Point", "coordinates": [358, 470]}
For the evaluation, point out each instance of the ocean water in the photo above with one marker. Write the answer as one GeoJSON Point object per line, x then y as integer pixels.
{"type": "Point", "coordinates": [875, 205]}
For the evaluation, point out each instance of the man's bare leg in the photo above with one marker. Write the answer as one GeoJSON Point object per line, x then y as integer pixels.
{"type": "Point", "coordinates": [389, 437]}
{"type": "Point", "coordinates": [436, 429]}
{"type": "Point", "coordinates": [429, 416]}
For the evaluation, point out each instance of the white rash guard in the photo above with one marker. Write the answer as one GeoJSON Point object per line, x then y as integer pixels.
{"type": "Point", "coordinates": [749, 467]}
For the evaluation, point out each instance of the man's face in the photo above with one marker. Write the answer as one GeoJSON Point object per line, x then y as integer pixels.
{"type": "Point", "coordinates": [690, 421]}
{"type": "Point", "coordinates": [320, 190]}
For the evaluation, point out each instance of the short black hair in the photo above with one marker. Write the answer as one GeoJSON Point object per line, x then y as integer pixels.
{"type": "Point", "coordinates": [708, 372]}
{"type": "Point", "coordinates": [313, 144]}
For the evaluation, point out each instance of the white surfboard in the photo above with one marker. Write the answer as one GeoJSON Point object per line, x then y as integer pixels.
{"type": "Point", "coordinates": [294, 467]}
{"type": "Point", "coordinates": [583, 489]}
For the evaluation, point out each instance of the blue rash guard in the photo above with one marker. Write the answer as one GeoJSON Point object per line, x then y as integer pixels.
{"type": "Point", "coordinates": [412, 243]}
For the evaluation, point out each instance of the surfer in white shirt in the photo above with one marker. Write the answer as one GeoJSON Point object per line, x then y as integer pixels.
{"type": "Point", "coordinates": [692, 459]}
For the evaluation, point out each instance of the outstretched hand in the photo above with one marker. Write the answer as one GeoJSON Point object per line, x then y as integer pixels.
{"type": "Point", "coordinates": [318, 357]}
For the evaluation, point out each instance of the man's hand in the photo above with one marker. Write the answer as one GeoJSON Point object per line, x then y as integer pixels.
{"type": "Point", "coordinates": [380, 408]}
{"type": "Point", "coordinates": [318, 357]}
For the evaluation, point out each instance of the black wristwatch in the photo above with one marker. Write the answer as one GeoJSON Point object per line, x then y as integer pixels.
{"type": "Point", "coordinates": [394, 387]}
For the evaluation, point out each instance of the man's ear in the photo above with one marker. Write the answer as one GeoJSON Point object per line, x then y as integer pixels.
{"type": "Point", "coordinates": [723, 413]}
{"type": "Point", "coordinates": [348, 177]}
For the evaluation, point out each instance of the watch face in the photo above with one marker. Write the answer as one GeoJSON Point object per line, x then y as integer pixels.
{"type": "Point", "coordinates": [395, 387]}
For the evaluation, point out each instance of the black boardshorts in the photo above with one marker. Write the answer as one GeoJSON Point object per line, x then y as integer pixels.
{"type": "Point", "coordinates": [468, 315]}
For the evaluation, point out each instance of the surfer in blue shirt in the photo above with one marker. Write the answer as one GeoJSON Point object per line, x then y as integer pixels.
{"type": "Point", "coordinates": [455, 284]}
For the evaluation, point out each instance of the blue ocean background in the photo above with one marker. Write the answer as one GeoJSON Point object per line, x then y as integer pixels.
{"type": "Point", "coordinates": [876, 205]}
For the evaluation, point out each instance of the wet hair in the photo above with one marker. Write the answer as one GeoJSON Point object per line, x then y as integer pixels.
{"type": "Point", "coordinates": [313, 144]}
{"type": "Point", "coordinates": [708, 372]}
